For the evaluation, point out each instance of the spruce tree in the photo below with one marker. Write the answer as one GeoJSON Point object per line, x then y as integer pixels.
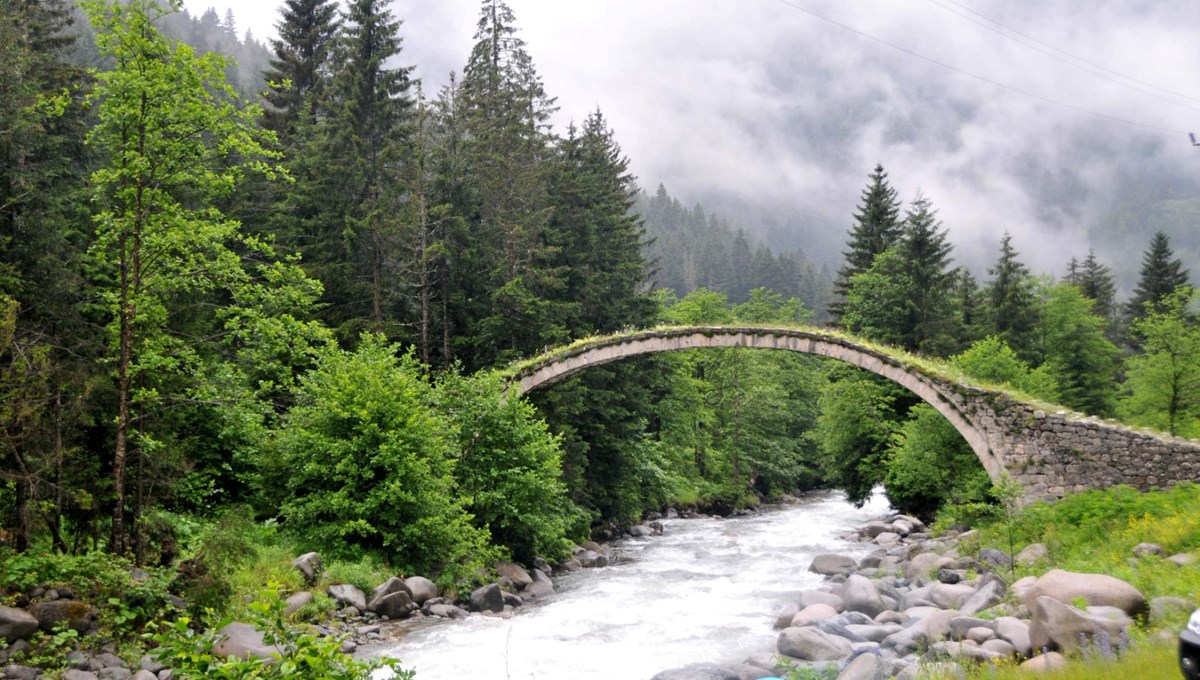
{"type": "Point", "coordinates": [926, 255]}
{"type": "Point", "coordinates": [301, 65]}
{"type": "Point", "coordinates": [877, 227]}
{"type": "Point", "coordinates": [1161, 274]}
{"type": "Point", "coordinates": [1012, 308]}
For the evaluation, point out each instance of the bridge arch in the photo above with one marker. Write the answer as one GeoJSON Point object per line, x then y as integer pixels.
{"type": "Point", "coordinates": [1051, 452]}
{"type": "Point", "coordinates": [937, 392]}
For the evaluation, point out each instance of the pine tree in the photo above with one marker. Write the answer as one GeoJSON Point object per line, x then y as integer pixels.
{"type": "Point", "coordinates": [1160, 276]}
{"type": "Point", "coordinates": [926, 255]}
{"type": "Point", "coordinates": [506, 116]}
{"type": "Point", "coordinates": [1011, 309]}
{"type": "Point", "coordinates": [877, 227]}
{"type": "Point", "coordinates": [301, 64]}
{"type": "Point", "coordinates": [1095, 281]}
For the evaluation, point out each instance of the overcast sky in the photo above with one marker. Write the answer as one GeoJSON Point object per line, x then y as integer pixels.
{"type": "Point", "coordinates": [758, 105]}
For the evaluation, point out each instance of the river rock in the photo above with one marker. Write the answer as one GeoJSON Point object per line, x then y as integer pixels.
{"type": "Point", "coordinates": [309, 566]}
{"type": "Point", "coordinates": [866, 666]}
{"type": "Point", "coordinates": [1181, 559]}
{"type": "Point", "coordinates": [16, 624]}
{"type": "Point", "coordinates": [697, 671]}
{"type": "Point", "coordinates": [1032, 553]}
{"type": "Point", "coordinates": [873, 632]}
{"type": "Point", "coordinates": [784, 618]}
{"type": "Point", "coordinates": [830, 564]}
{"type": "Point", "coordinates": [347, 595]}
{"type": "Point", "coordinates": [1016, 632]}
{"type": "Point", "coordinates": [995, 559]}
{"type": "Point", "coordinates": [447, 611]}
{"type": "Point", "coordinates": [811, 644]}
{"type": "Point", "coordinates": [1050, 661]}
{"type": "Point", "coordinates": [243, 641]}
{"type": "Point", "coordinates": [860, 594]}
{"type": "Point", "coordinates": [808, 597]}
{"type": "Point", "coordinates": [924, 564]}
{"type": "Point", "coordinates": [539, 586]}
{"type": "Point", "coordinates": [18, 672]}
{"type": "Point", "coordinates": [144, 675]}
{"type": "Point", "coordinates": [1095, 589]}
{"type": "Point", "coordinates": [949, 596]}
{"type": "Point", "coordinates": [1148, 549]}
{"type": "Point", "coordinates": [987, 595]}
{"type": "Point", "coordinates": [932, 626]}
{"type": "Point", "coordinates": [77, 615]}
{"type": "Point", "coordinates": [487, 598]}
{"type": "Point", "coordinates": [79, 674]}
{"type": "Point", "coordinates": [591, 559]}
{"type": "Point", "coordinates": [421, 589]}
{"type": "Point", "coordinates": [874, 528]}
{"type": "Point", "coordinates": [640, 531]}
{"type": "Point", "coordinates": [1163, 609]}
{"type": "Point", "coordinates": [512, 575]}
{"type": "Point", "coordinates": [961, 625]}
{"type": "Point", "coordinates": [296, 601]}
{"type": "Point", "coordinates": [813, 613]}
{"type": "Point", "coordinates": [887, 539]}
{"type": "Point", "coordinates": [397, 605]}
{"type": "Point", "coordinates": [391, 586]}
{"type": "Point", "coordinates": [1060, 626]}
{"type": "Point", "coordinates": [1002, 647]}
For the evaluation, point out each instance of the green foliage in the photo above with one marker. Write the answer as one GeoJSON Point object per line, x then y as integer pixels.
{"type": "Point", "coordinates": [1070, 342]}
{"type": "Point", "coordinates": [302, 653]}
{"type": "Point", "coordinates": [1161, 275]}
{"type": "Point", "coordinates": [1162, 389]}
{"type": "Point", "coordinates": [854, 430]}
{"type": "Point", "coordinates": [368, 465]}
{"type": "Point", "coordinates": [508, 468]}
{"type": "Point", "coordinates": [49, 650]}
{"type": "Point", "coordinates": [993, 361]}
{"type": "Point", "coordinates": [203, 578]}
{"type": "Point", "coordinates": [929, 464]}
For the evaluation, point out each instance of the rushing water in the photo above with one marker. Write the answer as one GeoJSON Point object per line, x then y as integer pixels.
{"type": "Point", "coordinates": [706, 590]}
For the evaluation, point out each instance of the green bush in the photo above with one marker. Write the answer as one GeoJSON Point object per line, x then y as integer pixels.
{"type": "Point", "coordinates": [368, 468]}
{"type": "Point", "coordinates": [930, 464]}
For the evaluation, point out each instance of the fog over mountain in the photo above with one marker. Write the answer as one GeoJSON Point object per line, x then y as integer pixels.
{"type": "Point", "coordinates": [774, 117]}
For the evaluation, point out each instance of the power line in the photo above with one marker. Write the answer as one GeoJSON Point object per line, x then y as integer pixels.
{"type": "Point", "coordinates": [1062, 52]}
{"type": "Point", "coordinates": [976, 76]}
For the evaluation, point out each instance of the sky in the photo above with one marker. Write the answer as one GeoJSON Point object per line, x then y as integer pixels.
{"type": "Point", "coordinates": [1043, 118]}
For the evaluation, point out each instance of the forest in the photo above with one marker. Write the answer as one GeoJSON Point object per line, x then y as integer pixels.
{"type": "Point", "coordinates": [288, 300]}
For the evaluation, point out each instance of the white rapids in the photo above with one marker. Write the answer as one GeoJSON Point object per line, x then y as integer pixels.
{"type": "Point", "coordinates": [706, 590]}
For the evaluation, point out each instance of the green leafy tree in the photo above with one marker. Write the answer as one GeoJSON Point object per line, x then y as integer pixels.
{"type": "Point", "coordinates": [854, 428]}
{"type": "Point", "coordinates": [368, 465]}
{"type": "Point", "coordinates": [877, 300]}
{"type": "Point", "coordinates": [1162, 388]}
{"type": "Point", "coordinates": [1161, 275]}
{"type": "Point", "coordinates": [168, 125]}
{"type": "Point", "coordinates": [877, 227]}
{"type": "Point", "coordinates": [930, 464]}
{"type": "Point", "coordinates": [993, 361]}
{"type": "Point", "coordinates": [509, 468]}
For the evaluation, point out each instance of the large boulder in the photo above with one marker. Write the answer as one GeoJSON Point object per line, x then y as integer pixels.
{"type": "Point", "coordinates": [1044, 663]}
{"type": "Point", "coordinates": [77, 615]}
{"type": "Point", "coordinates": [808, 597]}
{"type": "Point", "coordinates": [831, 564]}
{"type": "Point", "coordinates": [347, 595]}
{"type": "Point", "coordinates": [950, 596]}
{"type": "Point", "coordinates": [487, 598]}
{"type": "Point", "coordinates": [512, 575]}
{"type": "Point", "coordinates": [697, 671]}
{"type": "Point", "coordinates": [812, 644]}
{"type": "Point", "coordinates": [1059, 626]}
{"type": "Point", "coordinates": [865, 666]}
{"type": "Point", "coordinates": [921, 566]}
{"type": "Point", "coordinates": [391, 586]}
{"type": "Point", "coordinates": [539, 586]}
{"type": "Point", "coordinates": [989, 593]}
{"type": "Point", "coordinates": [397, 605]}
{"type": "Point", "coordinates": [421, 588]}
{"type": "Point", "coordinates": [244, 641]}
{"type": "Point", "coordinates": [1032, 553]}
{"type": "Point", "coordinates": [592, 559]}
{"type": "Point", "coordinates": [16, 624]}
{"type": "Point", "coordinates": [309, 566]}
{"type": "Point", "coordinates": [859, 594]}
{"type": "Point", "coordinates": [1016, 632]}
{"type": "Point", "coordinates": [813, 613]}
{"type": "Point", "coordinates": [1095, 589]}
{"type": "Point", "coordinates": [1164, 609]}
{"type": "Point", "coordinates": [296, 601]}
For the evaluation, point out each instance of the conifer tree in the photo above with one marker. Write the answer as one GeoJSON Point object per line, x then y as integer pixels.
{"type": "Point", "coordinates": [1161, 274]}
{"type": "Point", "coordinates": [877, 227]}
{"type": "Point", "coordinates": [301, 65]}
{"type": "Point", "coordinates": [926, 256]}
{"type": "Point", "coordinates": [1012, 308]}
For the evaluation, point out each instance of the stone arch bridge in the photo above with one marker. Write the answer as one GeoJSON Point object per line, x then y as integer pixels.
{"type": "Point", "coordinates": [1050, 452]}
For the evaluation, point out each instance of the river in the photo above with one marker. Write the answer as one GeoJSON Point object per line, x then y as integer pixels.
{"type": "Point", "coordinates": [706, 590]}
